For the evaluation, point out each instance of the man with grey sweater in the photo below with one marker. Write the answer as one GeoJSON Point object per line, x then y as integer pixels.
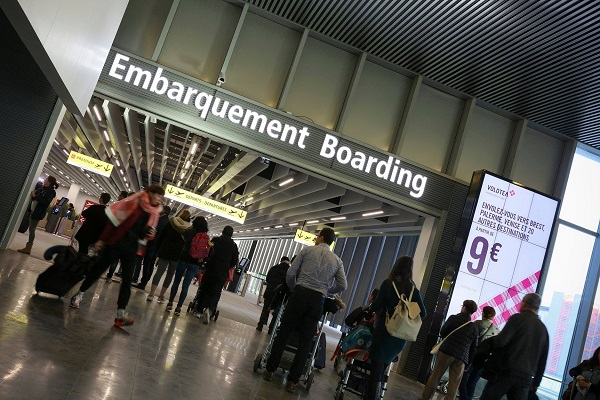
{"type": "Point", "coordinates": [524, 344]}
{"type": "Point", "coordinates": [315, 273]}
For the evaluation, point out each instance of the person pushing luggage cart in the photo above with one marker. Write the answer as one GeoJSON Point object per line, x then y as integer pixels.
{"type": "Point", "coordinates": [317, 266]}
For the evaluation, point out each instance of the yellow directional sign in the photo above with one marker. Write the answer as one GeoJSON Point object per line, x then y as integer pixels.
{"type": "Point", "coordinates": [304, 237]}
{"type": "Point", "coordinates": [90, 163]}
{"type": "Point", "coordinates": [307, 238]}
{"type": "Point", "coordinates": [206, 204]}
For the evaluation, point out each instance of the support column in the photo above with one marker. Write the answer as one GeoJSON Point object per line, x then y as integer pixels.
{"type": "Point", "coordinates": [73, 192]}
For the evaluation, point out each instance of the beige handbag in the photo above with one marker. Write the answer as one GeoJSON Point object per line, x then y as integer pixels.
{"type": "Point", "coordinates": [436, 348]}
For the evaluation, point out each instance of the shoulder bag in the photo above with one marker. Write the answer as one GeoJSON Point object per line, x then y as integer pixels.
{"type": "Point", "coordinates": [406, 322]}
{"type": "Point", "coordinates": [436, 348]}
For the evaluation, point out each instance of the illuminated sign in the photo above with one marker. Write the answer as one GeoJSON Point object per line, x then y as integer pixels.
{"type": "Point", "coordinates": [307, 238]}
{"type": "Point", "coordinates": [505, 248]}
{"type": "Point", "coordinates": [90, 164]}
{"type": "Point", "coordinates": [208, 104]}
{"type": "Point", "coordinates": [206, 204]}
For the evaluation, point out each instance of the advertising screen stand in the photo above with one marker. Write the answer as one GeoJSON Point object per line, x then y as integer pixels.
{"type": "Point", "coordinates": [499, 251]}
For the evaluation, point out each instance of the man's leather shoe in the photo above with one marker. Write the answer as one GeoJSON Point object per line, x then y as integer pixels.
{"type": "Point", "coordinates": [290, 387]}
{"type": "Point", "coordinates": [267, 375]}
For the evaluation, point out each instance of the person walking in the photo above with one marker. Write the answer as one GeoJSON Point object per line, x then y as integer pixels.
{"type": "Point", "coordinates": [94, 224]}
{"type": "Point", "coordinates": [169, 243]}
{"type": "Point", "coordinates": [130, 220]}
{"type": "Point", "coordinates": [385, 347]}
{"type": "Point", "coordinates": [144, 264]}
{"type": "Point", "coordinates": [188, 266]}
{"type": "Point", "coordinates": [320, 273]}
{"type": "Point", "coordinates": [460, 341]}
{"type": "Point", "coordinates": [40, 199]}
{"type": "Point", "coordinates": [471, 376]}
{"type": "Point", "coordinates": [523, 343]}
{"type": "Point", "coordinates": [113, 266]}
{"type": "Point", "coordinates": [275, 280]}
{"type": "Point", "coordinates": [224, 256]}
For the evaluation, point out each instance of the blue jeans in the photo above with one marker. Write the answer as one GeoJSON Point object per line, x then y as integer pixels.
{"type": "Point", "coordinates": [466, 389]}
{"type": "Point", "coordinates": [187, 272]}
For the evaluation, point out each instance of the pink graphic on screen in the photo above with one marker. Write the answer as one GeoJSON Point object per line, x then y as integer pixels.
{"type": "Point", "coordinates": [507, 303]}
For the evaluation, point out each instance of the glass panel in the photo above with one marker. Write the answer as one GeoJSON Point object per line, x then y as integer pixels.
{"type": "Point", "coordinates": [560, 301]}
{"type": "Point", "coordinates": [581, 204]}
{"type": "Point", "coordinates": [592, 340]}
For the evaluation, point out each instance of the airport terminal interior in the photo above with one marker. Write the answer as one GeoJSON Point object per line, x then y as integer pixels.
{"type": "Point", "coordinates": [460, 134]}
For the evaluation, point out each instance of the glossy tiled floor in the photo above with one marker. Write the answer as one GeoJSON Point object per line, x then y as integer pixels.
{"type": "Point", "coordinates": [49, 351]}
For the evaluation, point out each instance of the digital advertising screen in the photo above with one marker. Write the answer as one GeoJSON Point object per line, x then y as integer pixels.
{"type": "Point", "coordinates": [506, 246]}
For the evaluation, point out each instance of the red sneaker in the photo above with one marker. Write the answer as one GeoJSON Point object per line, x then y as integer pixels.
{"type": "Point", "coordinates": [123, 321]}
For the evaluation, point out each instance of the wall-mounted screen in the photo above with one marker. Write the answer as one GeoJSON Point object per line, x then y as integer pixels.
{"type": "Point", "coordinates": [506, 245]}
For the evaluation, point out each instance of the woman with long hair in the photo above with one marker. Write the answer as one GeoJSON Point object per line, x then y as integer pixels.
{"type": "Point", "coordinates": [169, 244]}
{"type": "Point", "coordinates": [587, 379]}
{"type": "Point", "coordinates": [130, 221]}
{"type": "Point", "coordinates": [40, 199]}
{"type": "Point", "coordinates": [188, 267]}
{"type": "Point", "coordinates": [385, 347]}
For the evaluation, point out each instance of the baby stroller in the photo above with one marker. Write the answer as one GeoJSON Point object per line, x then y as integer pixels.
{"type": "Point", "coordinates": [331, 305]}
{"type": "Point", "coordinates": [193, 306]}
{"type": "Point", "coordinates": [354, 365]}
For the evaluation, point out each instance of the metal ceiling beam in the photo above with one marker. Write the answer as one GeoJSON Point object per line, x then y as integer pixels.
{"type": "Point", "coordinates": [150, 131]}
{"type": "Point", "coordinates": [195, 163]}
{"type": "Point", "coordinates": [165, 153]}
{"type": "Point", "coordinates": [117, 127]}
{"type": "Point", "coordinates": [135, 144]}
{"type": "Point", "coordinates": [212, 166]}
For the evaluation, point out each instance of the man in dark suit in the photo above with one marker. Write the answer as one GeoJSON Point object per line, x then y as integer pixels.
{"type": "Point", "coordinates": [275, 280]}
{"type": "Point", "coordinates": [95, 222]}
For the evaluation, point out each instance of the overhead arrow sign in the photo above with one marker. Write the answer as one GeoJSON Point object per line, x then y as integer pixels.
{"type": "Point", "coordinates": [89, 163]}
{"type": "Point", "coordinates": [307, 238]}
{"type": "Point", "coordinates": [206, 204]}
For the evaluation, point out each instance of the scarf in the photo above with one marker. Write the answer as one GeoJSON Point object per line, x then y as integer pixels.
{"type": "Point", "coordinates": [121, 210]}
{"type": "Point", "coordinates": [179, 225]}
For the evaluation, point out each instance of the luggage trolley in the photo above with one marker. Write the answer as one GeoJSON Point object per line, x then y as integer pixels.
{"type": "Point", "coordinates": [260, 362]}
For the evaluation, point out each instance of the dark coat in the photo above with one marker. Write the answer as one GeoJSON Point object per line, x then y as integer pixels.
{"type": "Point", "coordinates": [386, 347]}
{"type": "Point", "coordinates": [275, 279]}
{"type": "Point", "coordinates": [94, 224]}
{"type": "Point", "coordinates": [223, 256]}
{"type": "Point", "coordinates": [524, 342]}
{"type": "Point", "coordinates": [462, 343]}
{"type": "Point", "coordinates": [43, 196]}
{"type": "Point", "coordinates": [169, 243]}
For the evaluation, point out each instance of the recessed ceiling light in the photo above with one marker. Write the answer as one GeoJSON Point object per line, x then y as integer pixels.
{"type": "Point", "coordinates": [97, 113]}
{"type": "Point", "coordinates": [113, 151]}
{"type": "Point", "coordinates": [56, 141]}
{"type": "Point", "coordinates": [182, 175]}
{"type": "Point", "coordinates": [66, 152]}
{"type": "Point", "coordinates": [312, 222]}
{"type": "Point", "coordinates": [194, 147]}
{"type": "Point", "coordinates": [106, 136]}
{"type": "Point", "coordinates": [257, 229]}
{"type": "Point", "coordinates": [338, 218]}
{"type": "Point", "coordinates": [118, 163]}
{"type": "Point", "coordinates": [286, 182]}
{"type": "Point", "coordinates": [266, 228]}
{"type": "Point", "coordinates": [294, 224]}
{"type": "Point", "coordinates": [278, 226]}
{"type": "Point", "coordinates": [370, 214]}
{"type": "Point", "coordinates": [250, 199]}
{"type": "Point", "coordinates": [187, 164]}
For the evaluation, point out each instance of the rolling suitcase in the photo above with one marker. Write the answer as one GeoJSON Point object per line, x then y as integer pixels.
{"type": "Point", "coordinates": [68, 268]}
{"type": "Point", "coordinates": [321, 352]}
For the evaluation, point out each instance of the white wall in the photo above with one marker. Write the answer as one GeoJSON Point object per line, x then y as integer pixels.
{"type": "Point", "coordinates": [69, 39]}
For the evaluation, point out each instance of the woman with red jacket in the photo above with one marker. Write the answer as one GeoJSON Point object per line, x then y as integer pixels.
{"type": "Point", "coordinates": [131, 220]}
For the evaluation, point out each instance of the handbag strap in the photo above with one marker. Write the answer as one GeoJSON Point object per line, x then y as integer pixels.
{"type": "Point", "coordinates": [468, 322]}
{"type": "Point", "coordinates": [398, 294]}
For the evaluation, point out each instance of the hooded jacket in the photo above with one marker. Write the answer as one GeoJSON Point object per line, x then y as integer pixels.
{"type": "Point", "coordinates": [170, 240]}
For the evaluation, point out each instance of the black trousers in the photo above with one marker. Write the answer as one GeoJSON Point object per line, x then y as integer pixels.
{"type": "Point", "coordinates": [210, 293]}
{"type": "Point", "coordinates": [302, 312]}
{"type": "Point", "coordinates": [147, 261]}
{"type": "Point", "coordinates": [84, 246]}
{"type": "Point", "coordinates": [109, 255]}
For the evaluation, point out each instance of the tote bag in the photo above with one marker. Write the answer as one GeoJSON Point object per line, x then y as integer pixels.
{"type": "Point", "coordinates": [406, 322]}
